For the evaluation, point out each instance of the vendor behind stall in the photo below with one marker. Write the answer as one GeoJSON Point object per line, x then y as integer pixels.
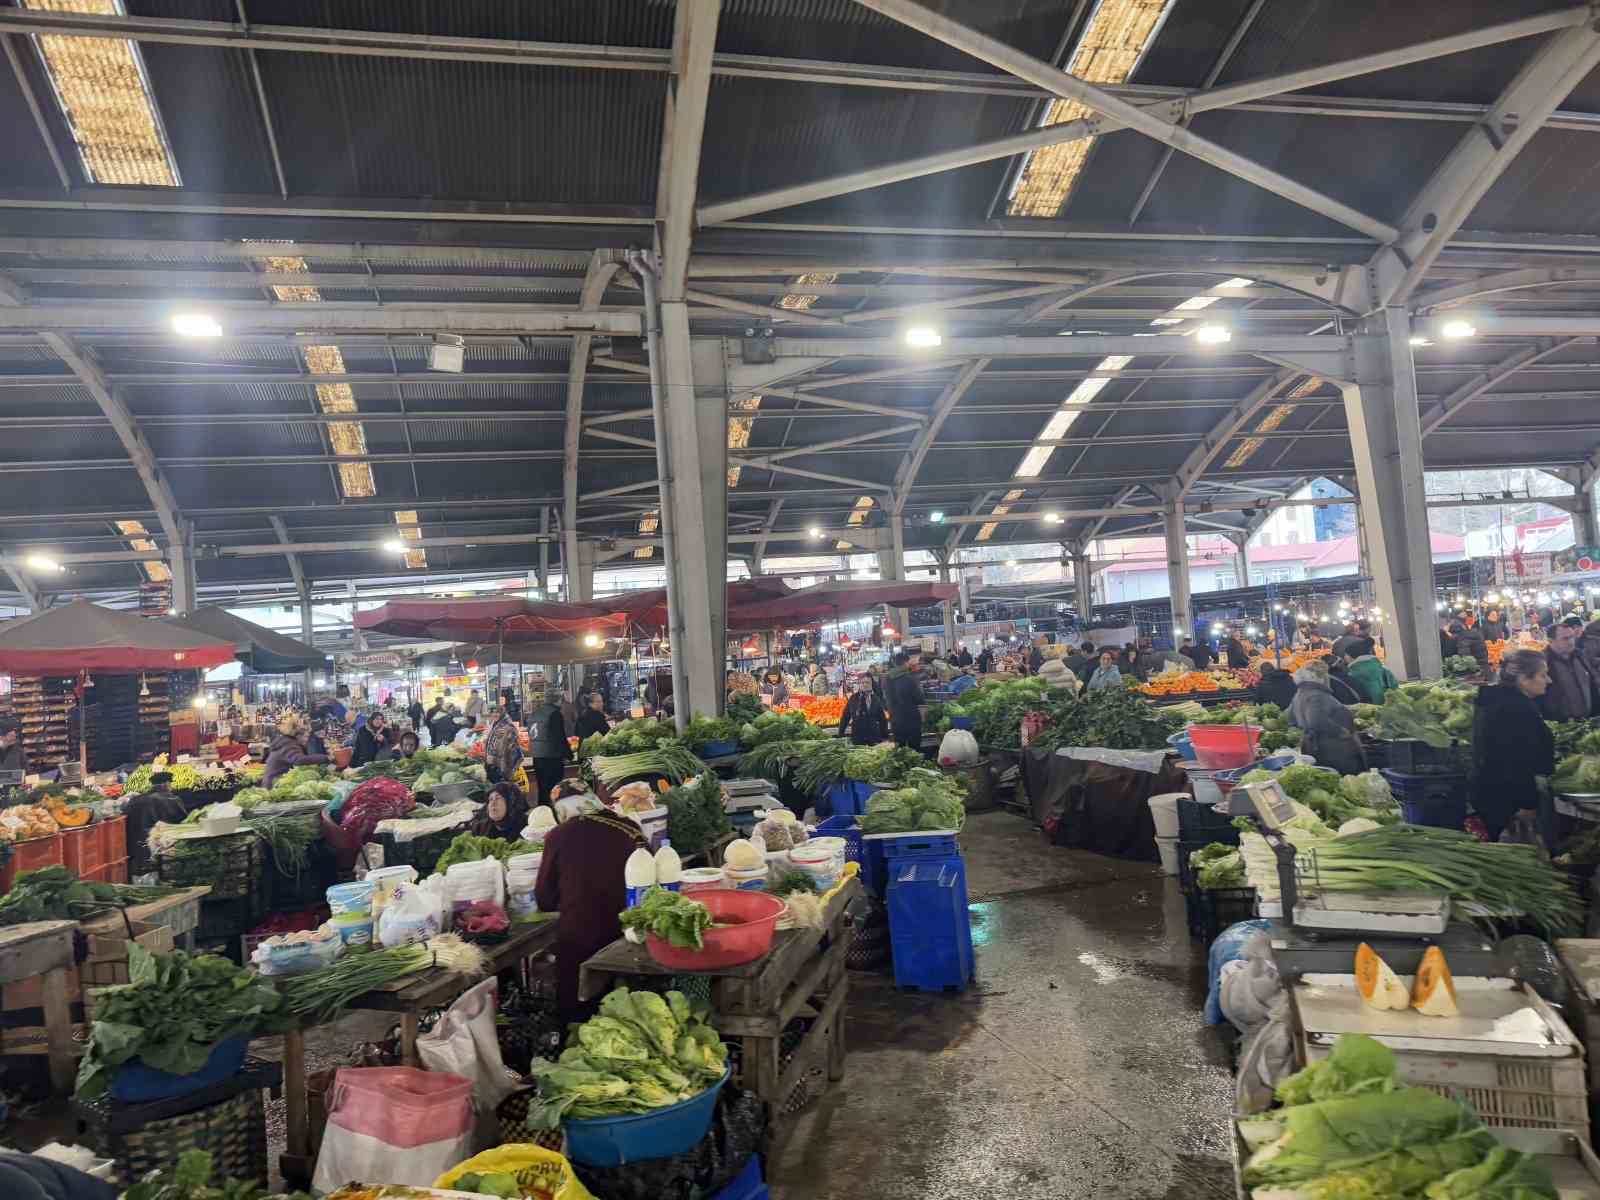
{"type": "Point", "coordinates": [581, 877]}
{"type": "Point", "coordinates": [288, 749]}
{"type": "Point", "coordinates": [592, 719]}
{"type": "Point", "coordinates": [144, 812]}
{"type": "Point", "coordinates": [1511, 744]}
{"type": "Point", "coordinates": [369, 740]}
{"type": "Point", "coordinates": [12, 755]}
{"type": "Point", "coordinates": [504, 813]}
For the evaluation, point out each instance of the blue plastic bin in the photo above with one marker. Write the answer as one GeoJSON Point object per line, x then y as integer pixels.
{"type": "Point", "coordinates": [921, 845]}
{"type": "Point", "coordinates": [1436, 800]}
{"type": "Point", "coordinates": [963, 722]}
{"type": "Point", "coordinates": [929, 930]}
{"type": "Point", "coordinates": [848, 828]}
{"type": "Point", "coordinates": [615, 1141]}
{"type": "Point", "coordinates": [1180, 742]}
{"type": "Point", "coordinates": [718, 749]}
{"type": "Point", "coordinates": [840, 798]}
{"type": "Point", "coordinates": [748, 1184]}
{"type": "Point", "coordinates": [135, 1083]}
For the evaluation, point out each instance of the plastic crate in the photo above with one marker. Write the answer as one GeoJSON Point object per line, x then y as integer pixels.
{"type": "Point", "coordinates": [1186, 872]}
{"type": "Point", "coordinates": [1430, 799]}
{"type": "Point", "coordinates": [920, 845]}
{"type": "Point", "coordinates": [849, 829]}
{"type": "Point", "coordinates": [111, 872]}
{"type": "Point", "coordinates": [83, 850]}
{"type": "Point", "coordinates": [929, 931]}
{"type": "Point", "coordinates": [1197, 820]}
{"type": "Point", "coordinates": [31, 855]}
{"type": "Point", "coordinates": [1210, 912]}
{"type": "Point", "coordinates": [230, 864]}
{"type": "Point", "coordinates": [1412, 756]}
{"type": "Point", "coordinates": [748, 1184]}
{"type": "Point", "coordinates": [421, 852]}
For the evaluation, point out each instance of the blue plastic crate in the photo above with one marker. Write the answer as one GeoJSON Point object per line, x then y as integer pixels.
{"type": "Point", "coordinates": [1436, 800]}
{"type": "Point", "coordinates": [920, 845]}
{"type": "Point", "coordinates": [748, 1184]}
{"type": "Point", "coordinates": [929, 930]}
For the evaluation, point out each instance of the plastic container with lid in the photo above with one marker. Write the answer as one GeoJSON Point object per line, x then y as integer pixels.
{"type": "Point", "coordinates": [350, 897]}
{"type": "Point", "coordinates": [354, 929]}
{"type": "Point", "coordinates": [746, 879]}
{"type": "Point", "coordinates": [702, 879]}
{"type": "Point", "coordinates": [823, 863]}
{"type": "Point", "coordinates": [384, 880]}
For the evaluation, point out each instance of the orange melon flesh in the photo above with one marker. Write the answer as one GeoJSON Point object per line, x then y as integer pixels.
{"type": "Point", "coordinates": [1433, 992]}
{"type": "Point", "coordinates": [1379, 986]}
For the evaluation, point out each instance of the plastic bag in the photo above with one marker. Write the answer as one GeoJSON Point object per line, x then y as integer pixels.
{"type": "Point", "coordinates": [958, 748]}
{"type": "Point", "coordinates": [464, 1042]}
{"type": "Point", "coordinates": [467, 883]}
{"type": "Point", "coordinates": [397, 1124]}
{"type": "Point", "coordinates": [1233, 944]}
{"type": "Point", "coordinates": [554, 1175]}
{"type": "Point", "coordinates": [410, 915]}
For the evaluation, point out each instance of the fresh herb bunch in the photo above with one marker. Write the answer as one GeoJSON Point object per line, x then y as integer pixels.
{"type": "Point", "coordinates": [671, 916]}
{"type": "Point", "coordinates": [290, 838]}
{"type": "Point", "coordinates": [1459, 665]}
{"type": "Point", "coordinates": [780, 727]}
{"type": "Point", "coordinates": [191, 1179]}
{"type": "Point", "coordinates": [701, 730]}
{"type": "Point", "coordinates": [743, 707]}
{"type": "Point", "coordinates": [319, 996]}
{"type": "Point", "coordinates": [1115, 720]}
{"type": "Point", "coordinates": [790, 882]}
{"type": "Point", "coordinates": [172, 1013]}
{"type": "Point", "coordinates": [882, 764]}
{"type": "Point", "coordinates": [695, 815]}
{"type": "Point", "coordinates": [57, 894]}
{"type": "Point", "coordinates": [472, 847]}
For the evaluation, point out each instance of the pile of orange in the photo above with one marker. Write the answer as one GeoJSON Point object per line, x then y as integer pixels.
{"type": "Point", "coordinates": [819, 710]}
{"type": "Point", "coordinates": [1190, 683]}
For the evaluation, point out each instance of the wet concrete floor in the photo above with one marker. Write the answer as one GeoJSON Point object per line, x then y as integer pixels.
{"type": "Point", "coordinates": [1076, 1066]}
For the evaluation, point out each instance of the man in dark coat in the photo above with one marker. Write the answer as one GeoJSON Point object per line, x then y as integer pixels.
{"type": "Point", "coordinates": [1511, 744]}
{"type": "Point", "coordinates": [1035, 656]}
{"type": "Point", "coordinates": [547, 746]}
{"type": "Point", "coordinates": [904, 701]}
{"type": "Point", "coordinates": [160, 805]}
{"type": "Point", "coordinates": [1571, 693]}
{"type": "Point", "coordinates": [415, 715]}
{"type": "Point", "coordinates": [1469, 642]}
{"type": "Point", "coordinates": [1276, 687]}
{"type": "Point", "coordinates": [12, 756]}
{"type": "Point", "coordinates": [1196, 652]}
{"type": "Point", "coordinates": [592, 719]}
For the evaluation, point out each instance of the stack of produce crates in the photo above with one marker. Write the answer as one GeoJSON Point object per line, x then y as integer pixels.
{"type": "Point", "coordinates": [929, 931]}
{"type": "Point", "coordinates": [1209, 910]}
{"type": "Point", "coordinates": [1430, 784]}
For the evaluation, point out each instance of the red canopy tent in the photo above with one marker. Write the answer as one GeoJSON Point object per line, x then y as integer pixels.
{"type": "Point", "coordinates": [512, 619]}
{"type": "Point", "coordinates": [835, 602]}
{"type": "Point", "coordinates": [646, 609]}
{"type": "Point", "coordinates": [81, 636]}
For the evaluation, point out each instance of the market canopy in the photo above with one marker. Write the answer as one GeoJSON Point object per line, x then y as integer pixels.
{"type": "Point", "coordinates": [511, 619]}
{"type": "Point", "coordinates": [646, 609]}
{"type": "Point", "coordinates": [81, 636]}
{"type": "Point", "coordinates": [258, 647]}
{"type": "Point", "coordinates": [840, 601]}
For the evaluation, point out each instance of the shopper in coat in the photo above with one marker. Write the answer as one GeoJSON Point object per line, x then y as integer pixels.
{"type": "Point", "coordinates": [369, 740]}
{"type": "Point", "coordinates": [415, 715]}
{"type": "Point", "coordinates": [592, 719]}
{"type": "Point", "coordinates": [1327, 728]}
{"type": "Point", "coordinates": [1128, 663]}
{"type": "Point", "coordinates": [1368, 675]}
{"type": "Point", "coordinates": [1511, 744]}
{"type": "Point", "coordinates": [548, 747]}
{"type": "Point", "coordinates": [1570, 696]}
{"type": "Point", "coordinates": [1035, 656]}
{"type": "Point", "coordinates": [1469, 642]}
{"type": "Point", "coordinates": [1106, 675]}
{"type": "Point", "coordinates": [1238, 657]}
{"type": "Point", "coordinates": [1493, 627]}
{"type": "Point", "coordinates": [1196, 652]}
{"type": "Point", "coordinates": [1276, 687]}
{"type": "Point", "coordinates": [1589, 648]}
{"type": "Point", "coordinates": [864, 720]}
{"type": "Point", "coordinates": [288, 749]}
{"type": "Point", "coordinates": [12, 756]}
{"type": "Point", "coordinates": [903, 692]}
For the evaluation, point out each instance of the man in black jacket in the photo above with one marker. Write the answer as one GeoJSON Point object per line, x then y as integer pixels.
{"type": "Point", "coordinates": [1196, 652]}
{"type": "Point", "coordinates": [369, 740]}
{"type": "Point", "coordinates": [547, 746]}
{"type": "Point", "coordinates": [592, 719]}
{"type": "Point", "coordinates": [904, 695]}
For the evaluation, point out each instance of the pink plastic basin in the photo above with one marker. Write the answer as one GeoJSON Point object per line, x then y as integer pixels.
{"type": "Point", "coordinates": [744, 923]}
{"type": "Point", "coordinates": [1218, 747]}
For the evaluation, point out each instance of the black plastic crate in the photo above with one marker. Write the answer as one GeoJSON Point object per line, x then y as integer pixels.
{"type": "Point", "coordinates": [1197, 820]}
{"type": "Point", "coordinates": [1210, 912]}
{"type": "Point", "coordinates": [222, 919]}
{"type": "Point", "coordinates": [1412, 756]}
{"type": "Point", "coordinates": [1186, 847]}
{"type": "Point", "coordinates": [1430, 798]}
{"type": "Point", "coordinates": [422, 852]}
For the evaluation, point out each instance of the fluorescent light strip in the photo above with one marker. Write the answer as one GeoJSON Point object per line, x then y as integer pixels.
{"type": "Point", "coordinates": [986, 530]}
{"type": "Point", "coordinates": [1107, 52]}
{"type": "Point", "coordinates": [1194, 303]}
{"type": "Point", "coordinates": [858, 516]}
{"type": "Point", "coordinates": [1035, 459]}
{"type": "Point", "coordinates": [104, 94]}
{"type": "Point", "coordinates": [1275, 417]}
{"type": "Point", "coordinates": [739, 433]}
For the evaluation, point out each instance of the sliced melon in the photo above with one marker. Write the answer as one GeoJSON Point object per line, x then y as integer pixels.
{"type": "Point", "coordinates": [1433, 992]}
{"type": "Point", "coordinates": [1379, 986]}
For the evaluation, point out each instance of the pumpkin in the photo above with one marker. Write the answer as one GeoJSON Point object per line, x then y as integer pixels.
{"type": "Point", "coordinates": [71, 818]}
{"type": "Point", "coordinates": [1433, 992]}
{"type": "Point", "coordinates": [1378, 984]}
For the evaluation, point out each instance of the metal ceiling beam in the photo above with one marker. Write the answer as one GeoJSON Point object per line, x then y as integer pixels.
{"type": "Point", "coordinates": [1077, 346]}
{"type": "Point", "coordinates": [1069, 87]}
{"type": "Point", "coordinates": [766, 530]}
{"type": "Point", "coordinates": [296, 572]}
{"type": "Point", "coordinates": [1497, 284]}
{"type": "Point", "coordinates": [688, 92]}
{"type": "Point", "coordinates": [1480, 158]}
{"type": "Point", "coordinates": [1446, 407]}
{"type": "Point", "coordinates": [13, 47]}
{"type": "Point", "coordinates": [1231, 426]}
{"type": "Point", "coordinates": [530, 319]}
{"type": "Point", "coordinates": [905, 477]}
{"type": "Point", "coordinates": [1171, 109]}
{"type": "Point", "coordinates": [17, 572]}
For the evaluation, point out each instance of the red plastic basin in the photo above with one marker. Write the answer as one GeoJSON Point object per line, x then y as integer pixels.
{"type": "Point", "coordinates": [744, 923]}
{"type": "Point", "coordinates": [1218, 747]}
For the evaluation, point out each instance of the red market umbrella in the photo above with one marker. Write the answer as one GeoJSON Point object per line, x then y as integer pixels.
{"type": "Point", "coordinates": [512, 619]}
{"type": "Point", "coordinates": [837, 602]}
{"type": "Point", "coordinates": [646, 609]}
{"type": "Point", "coordinates": [81, 636]}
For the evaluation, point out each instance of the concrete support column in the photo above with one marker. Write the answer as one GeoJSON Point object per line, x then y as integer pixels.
{"type": "Point", "coordinates": [1178, 571]}
{"type": "Point", "coordinates": [358, 639]}
{"type": "Point", "coordinates": [307, 633]}
{"type": "Point", "coordinates": [695, 407]}
{"type": "Point", "coordinates": [893, 566]}
{"type": "Point", "coordinates": [1083, 587]}
{"type": "Point", "coordinates": [966, 591]}
{"type": "Point", "coordinates": [1241, 559]}
{"type": "Point", "coordinates": [180, 560]}
{"type": "Point", "coordinates": [1386, 441]}
{"type": "Point", "coordinates": [580, 575]}
{"type": "Point", "coordinates": [544, 554]}
{"type": "Point", "coordinates": [1585, 524]}
{"type": "Point", "coordinates": [949, 610]}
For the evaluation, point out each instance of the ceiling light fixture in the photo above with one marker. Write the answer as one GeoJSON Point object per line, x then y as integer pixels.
{"type": "Point", "coordinates": [591, 639]}
{"type": "Point", "coordinates": [41, 562]}
{"type": "Point", "coordinates": [395, 546]}
{"type": "Point", "coordinates": [1238, 281]}
{"type": "Point", "coordinates": [1418, 340]}
{"type": "Point", "coordinates": [196, 325]}
{"type": "Point", "coordinates": [923, 337]}
{"type": "Point", "coordinates": [1457, 329]}
{"type": "Point", "coordinates": [936, 517]}
{"type": "Point", "coordinates": [1213, 335]}
{"type": "Point", "coordinates": [815, 531]}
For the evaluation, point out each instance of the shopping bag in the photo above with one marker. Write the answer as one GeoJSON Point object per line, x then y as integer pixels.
{"type": "Point", "coordinates": [550, 1173]}
{"type": "Point", "coordinates": [958, 748]}
{"type": "Point", "coordinates": [464, 1042]}
{"type": "Point", "coordinates": [394, 1124]}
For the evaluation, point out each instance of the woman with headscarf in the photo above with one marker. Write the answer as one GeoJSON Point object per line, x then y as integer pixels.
{"type": "Point", "coordinates": [865, 719]}
{"type": "Point", "coordinates": [502, 750]}
{"type": "Point", "coordinates": [1327, 728]}
{"type": "Point", "coordinates": [1511, 744]}
{"type": "Point", "coordinates": [504, 813]}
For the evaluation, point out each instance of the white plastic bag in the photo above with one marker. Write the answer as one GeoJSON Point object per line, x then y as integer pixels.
{"type": "Point", "coordinates": [468, 883]}
{"type": "Point", "coordinates": [397, 1124]}
{"type": "Point", "coordinates": [958, 748]}
{"type": "Point", "coordinates": [464, 1043]}
{"type": "Point", "coordinates": [411, 915]}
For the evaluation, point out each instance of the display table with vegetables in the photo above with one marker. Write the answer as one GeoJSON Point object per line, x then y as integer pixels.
{"type": "Point", "coordinates": [752, 1003]}
{"type": "Point", "coordinates": [427, 982]}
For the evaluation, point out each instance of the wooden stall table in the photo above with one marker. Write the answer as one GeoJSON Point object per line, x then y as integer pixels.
{"type": "Point", "coordinates": [43, 949]}
{"type": "Point", "coordinates": [411, 997]}
{"type": "Point", "coordinates": [803, 975]}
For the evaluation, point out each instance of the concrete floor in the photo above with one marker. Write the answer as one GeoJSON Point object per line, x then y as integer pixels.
{"type": "Point", "coordinates": [1076, 1066]}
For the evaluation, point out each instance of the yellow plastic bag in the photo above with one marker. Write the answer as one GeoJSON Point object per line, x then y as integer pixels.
{"type": "Point", "coordinates": [549, 1175]}
{"type": "Point", "coordinates": [520, 778]}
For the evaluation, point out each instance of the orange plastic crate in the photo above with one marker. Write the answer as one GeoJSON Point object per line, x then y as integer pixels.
{"type": "Point", "coordinates": [83, 849]}
{"type": "Point", "coordinates": [29, 856]}
{"type": "Point", "coordinates": [111, 872]}
{"type": "Point", "coordinates": [113, 838]}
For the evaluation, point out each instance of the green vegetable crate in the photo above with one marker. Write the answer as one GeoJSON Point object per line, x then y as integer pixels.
{"type": "Point", "coordinates": [420, 852]}
{"type": "Point", "coordinates": [231, 864]}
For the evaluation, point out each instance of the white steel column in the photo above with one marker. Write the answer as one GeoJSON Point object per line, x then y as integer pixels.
{"type": "Point", "coordinates": [949, 611]}
{"type": "Point", "coordinates": [307, 632]}
{"type": "Point", "coordinates": [1584, 521]}
{"type": "Point", "coordinates": [1083, 586]}
{"type": "Point", "coordinates": [1241, 558]}
{"type": "Point", "coordinates": [580, 573]}
{"type": "Point", "coordinates": [1386, 442]}
{"type": "Point", "coordinates": [1178, 570]}
{"type": "Point", "coordinates": [893, 566]}
{"type": "Point", "coordinates": [180, 558]}
{"type": "Point", "coordinates": [358, 639]}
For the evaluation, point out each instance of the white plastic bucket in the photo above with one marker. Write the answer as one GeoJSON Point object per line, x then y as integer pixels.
{"type": "Point", "coordinates": [1164, 811]}
{"type": "Point", "coordinates": [822, 863]}
{"type": "Point", "coordinates": [384, 880]}
{"type": "Point", "coordinates": [747, 879]}
{"type": "Point", "coordinates": [1168, 849]}
{"type": "Point", "coordinates": [702, 879]}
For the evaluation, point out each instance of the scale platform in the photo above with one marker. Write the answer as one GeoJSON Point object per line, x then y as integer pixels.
{"type": "Point", "coordinates": [1416, 915]}
{"type": "Point", "coordinates": [1299, 952]}
{"type": "Point", "coordinates": [1498, 1017]}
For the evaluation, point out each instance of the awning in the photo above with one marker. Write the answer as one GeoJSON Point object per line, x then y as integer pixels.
{"type": "Point", "coordinates": [840, 601]}
{"type": "Point", "coordinates": [511, 619]}
{"type": "Point", "coordinates": [81, 636]}
{"type": "Point", "coordinates": [255, 645]}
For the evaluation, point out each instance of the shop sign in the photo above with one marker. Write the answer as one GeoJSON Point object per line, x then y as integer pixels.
{"type": "Point", "coordinates": [392, 659]}
{"type": "Point", "coordinates": [1578, 558]}
{"type": "Point", "coordinates": [1523, 568]}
